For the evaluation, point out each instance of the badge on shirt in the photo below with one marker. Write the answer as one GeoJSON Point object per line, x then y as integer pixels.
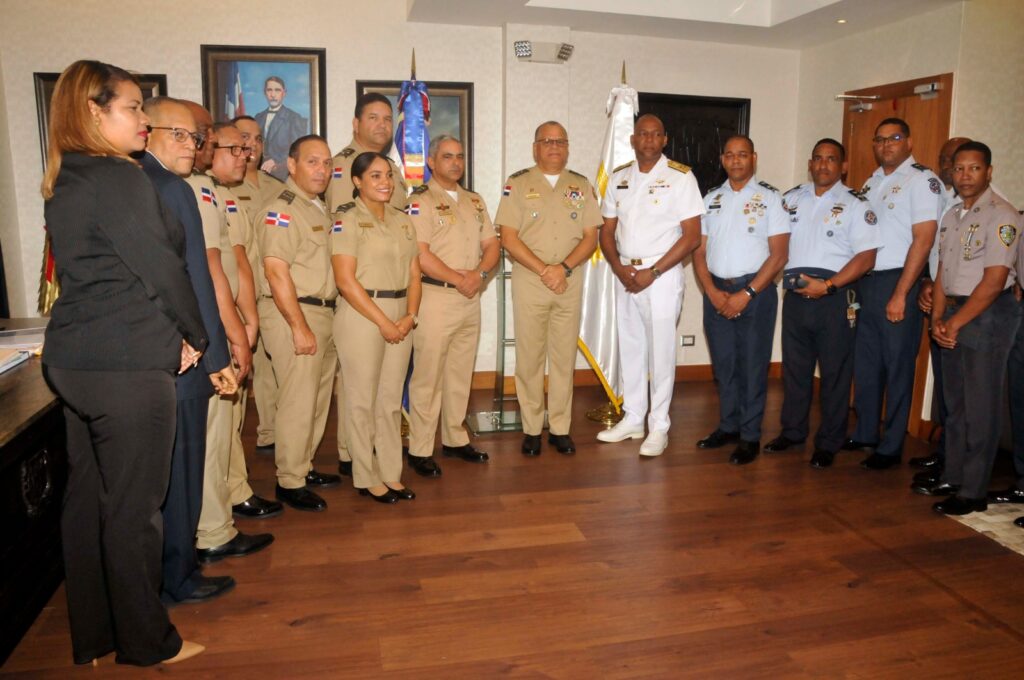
{"type": "Point", "coordinates": [574, 193]}
{"type": "Point", "coordinates": [231, 206]}
{"type": "Point", "coordinates": [412, 209]}
{"type": "Point", "coordinates": [933, 184]}
{"type": "Point", "coordinates": [208, 196]}
{"type": "Point", "coordinates": [532, 194]}
{"type": "Point", "coordinates": [624, 185]}
{"type": "Point", "coordinates": [1007, 233]}
{"type": "Point", "coordinates": [716, 202]}
{"type": "Point", "coordinates": [366, 225]}
{"type": "Point", "coordinates": [444, 210]}
{"type": "Point", "coordinates": [337, 227]}
{"type": "Point", "coordinates": [837, 210]}
{"type": "Point", "coordinates": [507, 191]}
{"type": "Point", "coordinates": [337, 173]}
{"type": "Point", "coordinates": [276, 219]}
{"type": "Point", "coordinates": [318, 227]}
{"type": "Point", "coordinates": [870, 217]}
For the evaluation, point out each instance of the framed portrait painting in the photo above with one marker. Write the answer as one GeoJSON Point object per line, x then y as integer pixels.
{"type": "Point", "coordinates": [283, 88]}
{"type": "Point", "coordinates": [451, 111]}
{"type": "Point", "coordinates": [152, 84]}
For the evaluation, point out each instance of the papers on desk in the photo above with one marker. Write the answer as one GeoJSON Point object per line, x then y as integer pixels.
{"type": "Point", "coordinates": [9, 358]}
{"type": "Point", "coordinates": [27, 339]}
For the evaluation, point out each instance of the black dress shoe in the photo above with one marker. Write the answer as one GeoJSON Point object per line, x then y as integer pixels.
{"type": "Point", "coordinates": [718, 439]}
{"type": "Point", "coordinates": [781, 443]}
{"type": "Point", "coordinates": [265, 449]}
{"type": "Point", "coordinates": [239, 546]}
{"type": "Point", "coordinates": [425, 466]}
{"type": "Point", "coordinates": [822, 459]}
{"type": "Point", "coordinates": [300, 499]}
{"type": "Point", "coordinates": [563, 443]}
{"type": "Point", "coordinates": [938, 489]}
{"type": "Point", "coordinates": [466, 453]}
{"type": "Point", "coordinates": [854, 445]}
{"type": "Point", "coordinates": [345, 468]}
{"type": "Point", "coordinates": [1019, 522]}
{"type": "Point", "coordinates": [255, 507]}
{"type": "Point", "coordinates": [531, 445]}
{"type": "Point", "coordinates": [1011, 495]}
{"type": "Point", "coordinates": [926, 462]}
{"type": "Point", "coordinates": [745, 452]}
{"type": "Point", "coordinates": [406, 494]}
{"type": "Point", "coordinates": [209, 588]}
{"type": "Point", "coordinates": [388, 497]}
{"type": "Point", "coordinates": [877, 461]}
{"type": "Point", "coordinates": [322, 479]}
{"type": "Point", "coordinates": [955, 505]}
{"type": "Point", "coordinates": [930, 477]}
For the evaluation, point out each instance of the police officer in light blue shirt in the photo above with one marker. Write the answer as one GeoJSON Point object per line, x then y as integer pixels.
{"type": "Point", "coordinates": [907, 199]}
{"type": "Point", "coordinates": [744, 241]}
{"type": "Point", "coordinates": [833, 242]}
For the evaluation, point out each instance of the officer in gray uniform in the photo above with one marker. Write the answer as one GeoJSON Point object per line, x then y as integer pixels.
{"type": "Point", "coordinates": [974, 319]}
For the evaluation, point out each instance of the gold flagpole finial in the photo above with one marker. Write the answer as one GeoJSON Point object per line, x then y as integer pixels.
{"type": "Point", "coordinates": [623, 71]}
{"type": "Point", "coordinates": [413, 77]}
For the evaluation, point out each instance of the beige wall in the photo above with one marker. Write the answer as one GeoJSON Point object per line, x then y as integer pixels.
{"type": "Point", "coordinates": [10, 238]}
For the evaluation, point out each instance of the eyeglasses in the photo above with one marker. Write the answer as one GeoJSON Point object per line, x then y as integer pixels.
{"type": "Point", "coordinates": [180, 135]}
{"type": "Point", "coordinates": [235, 150]}
{"type": "Point", "coordinates": [548, 141]}
{"type": "Point", "coordinates": [895, 139]}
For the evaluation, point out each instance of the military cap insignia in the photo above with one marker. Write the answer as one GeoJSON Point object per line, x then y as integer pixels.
{"type": "Point", "coordinates": [423, 188]}
{"type": "Point", "coordinates": [345, 207]}
{"type": "Point", "coordinates": [287, 196]}
{"type": "Point", "coordinates": [1007, 234]}
{"type": "Point", "coordinates": [768, 186]}
{"type": "Point", "coordinates": [676, 165]}
{"type": "Point", "coordinates": [520, 172]}
{"type": "Point", "coordinates": [933, 184]}
{"type": "Point", "coordinates": [347, 151]}
{"type": "Point", "coordinates": [918, 166]}
{"type": "Point", "coordinates": [623, 166]}
{"type": "Point", "coordinates": [870, 217]}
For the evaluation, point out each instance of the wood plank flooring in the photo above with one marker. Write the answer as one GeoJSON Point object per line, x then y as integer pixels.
{"type": "Point", "coordinates": [603, 565]}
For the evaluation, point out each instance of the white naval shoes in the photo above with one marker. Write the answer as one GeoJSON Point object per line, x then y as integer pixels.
{"type": "Point", "coordinates": [622, 431]}
{"type": "Point", "coordinates": [655, 444]}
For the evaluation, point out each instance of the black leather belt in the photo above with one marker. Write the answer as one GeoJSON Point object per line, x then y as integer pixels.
{"type": "Point", "coordinates": [961, 300]}
{"type": "Point", "coordinates": [436, 282]}
{"type": "Point", "coordinates": [393, 294]}
{"type": "Point", "coordinates": [319, 302]}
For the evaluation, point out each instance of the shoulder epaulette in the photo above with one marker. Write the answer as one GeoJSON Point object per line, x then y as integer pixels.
{"type": "Point", "coordinates": [794, 189]}
{"type": "Point", "coordinates": [918, 166]}
{"type": "Point", "coordinates": [401, 210]}
{"type": "Point", "coordinates": [421, 189]}
{"type": "Point", "coordinates": [676, 165]}
{"type": "Point", "coordinates": [858, 194]}
{"type": "Point", "coordinates": [346, 152]}
{"type": "Point", "coordinates": [716, 188]}
{"type": "Point", "coordinates": [345, 207]}
{"type": "Point", "coordinates": [521, 172]}
{"type": "Point", "coordinates": [623, 166]}
{"type": "Point", "coordinates": [287, 196]}
{"type": "Point", "coordinates": [573, 172]}
{"type": "Point", "coordinates": [768, 186]}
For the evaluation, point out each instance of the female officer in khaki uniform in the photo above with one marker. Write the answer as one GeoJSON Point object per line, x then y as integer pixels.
{"type": "Point", "coordinates": [373, 247]}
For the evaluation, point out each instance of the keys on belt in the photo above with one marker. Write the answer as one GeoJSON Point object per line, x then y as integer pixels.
{"type": "Point", "coordinates": [390, 294]}
{"type": "Point", "coordinates": [319, 302]}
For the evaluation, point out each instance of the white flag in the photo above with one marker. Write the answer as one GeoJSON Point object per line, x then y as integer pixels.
{"type": "Point", "coordinates": [598, 339]}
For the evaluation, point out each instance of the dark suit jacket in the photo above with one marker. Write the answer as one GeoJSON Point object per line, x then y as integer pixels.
{"type": "Point", "coordinates": [126, 300]}
{"type": "Point", "coordinates": [181, 200]}
{"type": "Point", "coordinates": [285, 128]}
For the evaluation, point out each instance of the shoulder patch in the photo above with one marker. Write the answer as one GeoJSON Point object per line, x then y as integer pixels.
{"type": "Point", "coordinates": [918, 166]}
{"type": "Point", "coordinates": [768, 186]}
{"type": "Point", "coordinates": [345, 207]}
{"type": "Point", "coordinates": [716, 188]}
{"type": "Point", "coordinates": [521, 172]}
{"type": "Point", "coordinates": [858, 195]}
{"type": "Point", "coordinates": [346, 152]}
{"type": "Point", "coordinates": [287, 196]}
{"type": "Point", "coordinates": [421, 189]}
{"type": "Point", "coordinates": [1007, 234]}
{"type": "Point", "coordinates": [676, 165]}
{"type": "Point", "coordinates": [578, 174]}
{"type": "Point", "coordinates": [623, 166]}
{"type": "Point", "coordinates": [797, 187]}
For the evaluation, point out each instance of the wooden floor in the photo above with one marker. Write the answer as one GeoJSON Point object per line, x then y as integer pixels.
{"type": "Point", "coordinates": [604, 565]}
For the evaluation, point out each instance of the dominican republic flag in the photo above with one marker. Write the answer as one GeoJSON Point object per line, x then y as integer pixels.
{"type": "Point", "coordinates": [276, 219]}
{"type": "Point", "coordinates": [234, 104]}
{"type": "Point", "coordinates": [336, 229]}
{"type": "Point", "coordinates": [411, 136]}
{"type": "Point", "coordinates": [337, 173]}
{"type": "Point", "coordinates": [507, 191]}
{"type": "Point", "coordinates": [207, 195]}
{"type": "Point", "coordinates": [413, 209]}
{"type": "Point", "coordinates": [231, 206]}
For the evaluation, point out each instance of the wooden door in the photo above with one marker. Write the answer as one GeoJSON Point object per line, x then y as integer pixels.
{"type": "Point", "coordinates": [927, 114]}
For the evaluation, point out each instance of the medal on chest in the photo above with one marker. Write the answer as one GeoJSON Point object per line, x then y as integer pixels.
{"type": "Point", "coordinates": [574, 197]}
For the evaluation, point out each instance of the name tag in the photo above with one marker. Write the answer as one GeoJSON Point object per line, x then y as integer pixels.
{"type": "Point", "coordinates": [318, 228]}
{"type": "Point", "coordinates": [366, 225]}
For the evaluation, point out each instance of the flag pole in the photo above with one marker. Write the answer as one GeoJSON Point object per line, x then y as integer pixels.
{"type": "Point", "coordinates": [412, 71]}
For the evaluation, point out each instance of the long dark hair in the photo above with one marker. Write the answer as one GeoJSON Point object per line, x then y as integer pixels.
{"type": "Point", "coordinates": [360, 165]}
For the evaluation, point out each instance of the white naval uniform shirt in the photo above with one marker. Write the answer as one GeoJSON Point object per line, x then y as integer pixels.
{"type": "Point", "coordinates": [738, 225]}
{"type": "Point", "coordinates": [650, 207]}
{"type": "Point", "coordinates": [910, 194]}
{"type": "Point", "coordinates": [828, 230]}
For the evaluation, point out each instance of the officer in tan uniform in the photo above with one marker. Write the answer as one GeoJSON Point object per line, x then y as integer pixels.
{"type": "Point", "coordinates": [974, 319]}
{"type": "Point", "coordinates": [377, 270]}
{"type": "Point", "coordinates": [372, 130]}
{"type": "Point", "coordinates": [296, 325]}
{"type": "Point", "coordinates": [217, 536]}
{"type": "Point", "coordinates": [548, 217]}
{"type": "Point", "coordinates": [257, 189]}
{"type": "Point", "coordinates": [458, 249]}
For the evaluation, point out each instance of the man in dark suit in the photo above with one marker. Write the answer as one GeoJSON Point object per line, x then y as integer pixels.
{"type": "Point", "coordinates": [170, 150]}
{"type": "Point", "coordinates": [281, 126]}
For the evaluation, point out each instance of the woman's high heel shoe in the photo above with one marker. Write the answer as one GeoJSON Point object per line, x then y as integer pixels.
{"type": "Point", "coordinates": [404, 493]}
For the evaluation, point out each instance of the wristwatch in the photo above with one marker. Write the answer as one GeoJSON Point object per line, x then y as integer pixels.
{"type": "Point", "coordinates": [655, 272]}
{"type": "Point", "coordinates": [483, 274]}
{"type": "Point", "coordinates": [830, 287]}
{"type": "Point", "coordinates": [567, 268]}
{"type": "Point", "coordinates": [749, 290]}
{"type": "Point", "coordinates": [415, 320]}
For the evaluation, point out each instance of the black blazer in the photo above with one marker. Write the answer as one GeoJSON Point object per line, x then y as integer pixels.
{"type": "Point", "coordinates": [176, 194]}
{"type": "Point", "coordinates": [126, 300]}
{"type": "Point", "coordinates": [286, 126]}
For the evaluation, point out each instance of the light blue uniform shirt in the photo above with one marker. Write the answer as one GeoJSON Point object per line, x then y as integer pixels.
{"type": "Point", "coordinates": [828, 230]}
{"type": "Point", "coordinates": [738, 225]}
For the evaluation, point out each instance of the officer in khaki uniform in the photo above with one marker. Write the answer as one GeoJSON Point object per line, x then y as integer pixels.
{"type": "Point", "coordinates": [974, 319]}
{"type": "Point", "coordinates": [296, 323]}
{"type": "Point", "coordinates": [374, 255]}
{"type": "Point", "coordinates": [458, 249]}
{"type": "Point", "coordinates": [548, 217]}
{"type": "Point", "coordinates": [372, 130]}
{"type": "Point", "coordinates": [256, 190]}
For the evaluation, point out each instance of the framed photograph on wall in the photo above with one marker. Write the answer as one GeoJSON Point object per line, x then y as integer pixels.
{"type": "Point", "coordinates": [451, 111]}
{"type": "Point", "coordinates": [152, 84]}
{"type": "Point", "coordinates": [283, 88]}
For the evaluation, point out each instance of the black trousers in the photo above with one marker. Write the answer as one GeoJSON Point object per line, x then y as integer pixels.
{"type": "Point", "coordinates": [973, 374]}
{"type": "Point", "coordinates": [817, 331]}
{"type": "Point", "coordinates": [885, 358]}
{"type": "Point", "coordinates": [741, 350]}
{"type": "Point", "coordinates": [181, 572]}
{"type": "Point", "coordinates": [120, 430]}
{"type": "Point", "coordinates": [939, 397]}
{"type": "Point", "coordinates": [1015, 374]}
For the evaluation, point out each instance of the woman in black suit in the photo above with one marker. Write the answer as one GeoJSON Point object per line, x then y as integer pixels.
{"type": "Point", "coordinates": [126, 322]}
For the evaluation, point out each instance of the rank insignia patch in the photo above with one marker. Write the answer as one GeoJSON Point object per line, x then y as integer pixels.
{"type": "Point", "coordinates": [1007, 234]}
{"type": "Point", "coordinates": [933, 184]}
{"type": "Point", "coordinates": [870, 217]}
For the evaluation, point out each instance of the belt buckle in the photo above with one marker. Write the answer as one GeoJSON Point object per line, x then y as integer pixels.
{"type": "Point", "coordinates": [635, 261]}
